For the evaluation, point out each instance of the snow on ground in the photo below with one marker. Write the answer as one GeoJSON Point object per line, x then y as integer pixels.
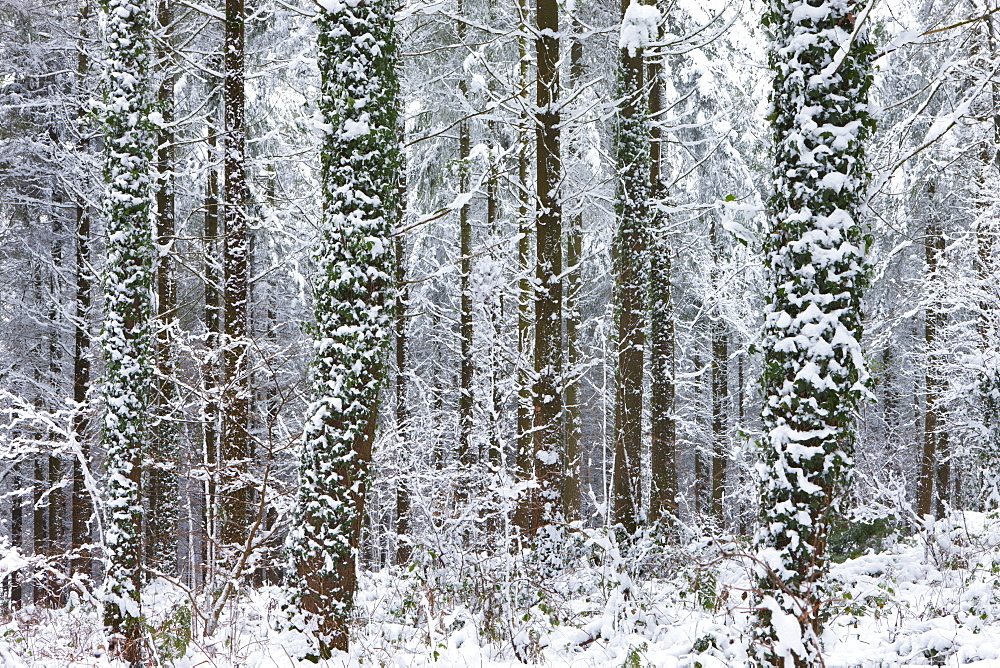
{"type": "Point", "coordinates": [927, 600]}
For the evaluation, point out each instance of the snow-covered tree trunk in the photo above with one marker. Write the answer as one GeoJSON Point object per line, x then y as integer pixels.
{"type": "Point", "coordinates": [546, 507]}
{"type": "Point", "coordinates": [663, 429]}
{"type": "Point", "coordinates": [813, 369]}
{"type": "Point", "coordinates": [126, 338]}
{"type": "Point", "coordinates": [235, 490]}
{"type": "Point", "coordinates": [353, 292]}
{"type": "Point", "coordinates": [81, 505]}
{"type": "Point", "coordinates": [932, 481]}
{"type": "Point", "coordinates": [160, 480]}
{"type": "Point", "coordinates": [572, 483]}
{"type": "Point", "coordinates": [639, 25]}
{"type": "Point", "coordinates": [523, 456]}
{"type": "Point", "coordinates": [720, 385]}
{"type": "Point", "coordinates": [466, 399]}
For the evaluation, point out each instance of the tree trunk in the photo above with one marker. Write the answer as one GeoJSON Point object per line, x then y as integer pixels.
{"type": "Point", "coordinates": [629, 256]}
{"type": "Point", "coordinates": [403, 548]}
{"type": "Point", "coordinates": [127, 341]}
{"type": "Point", "coordinates": [210, 372]}
{"type": "Point", "coordinates": [574, 258]}
{"type": "Point", "coordinates": [546, 507]}
{"type": "Point", "coordinates": [353, 292]}
{"type": "Point", "coordinates": [525, 404]}
{"type": "Point", "coordinates": [934, 460]}
{"type": "Point", "coordinates": [720, 388]}
{"type": "Point", "coordinates": [17, 536]}
{"type": "Point", "coordinates": [465, 398]}
{"type": "Point", "coordinates": [816, 268]}
{"type": "Point", "coordinates": [161, 478]}
{"type": "Point", "coordinates": [236, 492]}
{"type": "Point", "coordinates": [663, 430]}
{"type": "Point", "coordinates": [663, 453]}
{"type": "Point", "coordinates": [81, 508]}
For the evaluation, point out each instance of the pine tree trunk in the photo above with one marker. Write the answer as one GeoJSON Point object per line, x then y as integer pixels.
{"type": "Point", "coordinates": [574, 257]}
{"type": "Point", "coordinates": [525, 404]}
{"type": "Point", "coordinates": [465, 398]}
{"type": "Point", "coordinates": [53, 484]}
{"type": "Point", "coordinates": [161, 480]}
{"type": "Point", "coordinates": [353, 296]}
{"type": "Point", "coordinates": [81, 508]}
{"type": "Point", "coordinates": [989, 303]}
{"type": "Point", "coordinates": [210, 372]}
{"type": "Point", "coordinates": [235, 492]}
{"type": "Point", "coordinates": [720, 389]}
{"type": "Point", "coordinates": [629, 257]}
{"type": "Point", "coordinates": [934, 454]}
{"type": "Point", "coordinates": [546, 507]}
{"type": "Point", "coordinates": [403, 548]}
{"type": "Point", "coordinates": [17, 536]}
{"type": "Point", "coordinates": [494, 454]}
{"type": "Point", "coordinates": [127, 338]}
{"type": "Point", "coordinates": [663, 430]}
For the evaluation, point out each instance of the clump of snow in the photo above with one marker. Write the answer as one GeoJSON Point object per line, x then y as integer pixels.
{"type": "Point", "coordinates": [640, 27]}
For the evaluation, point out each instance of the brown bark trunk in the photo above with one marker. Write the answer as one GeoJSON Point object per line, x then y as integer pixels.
{"type": "Point", "coordinates": [523, 456]}
{"type": "Point", "coordinates": [546, 507]}
{"type": "Point", "coordinates": [720, 389]}
{"type": "Point", "coordinates": [213, 329]}
{"type": "Point", "coordinates": [236, 443]}
{"type": "Point", "coordinates": [663, 436]}
{"type": "Point", "coordinates": [934, 440]}
{"type": "Point", "coordinates": [465, 398]}
{"type": "Point", "coordinates": [630, 280]}
{"type": "Point", "coordinates": [81, 510]}
{"type": "Point", "coordinates": [161, 488]}
{"type": "Point", "coordinates": [574, 256]}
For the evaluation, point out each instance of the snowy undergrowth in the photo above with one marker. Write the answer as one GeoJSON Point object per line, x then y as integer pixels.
{"type": "Point", "coordinates": [926, 600]}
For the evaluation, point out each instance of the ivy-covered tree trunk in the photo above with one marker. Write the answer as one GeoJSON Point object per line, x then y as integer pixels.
{"type": "Point", "coordinates": [629, 257]}
{"type": "Point", "coordinates": [813, 369]}
{"type": "Point", "coordinates": [353, 291]}
{"type": "Point", "coordinates": [126, 338]}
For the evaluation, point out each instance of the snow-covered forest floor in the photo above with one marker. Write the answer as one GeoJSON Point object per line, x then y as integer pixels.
{"type": "Point", "coordinates": [930, 599]}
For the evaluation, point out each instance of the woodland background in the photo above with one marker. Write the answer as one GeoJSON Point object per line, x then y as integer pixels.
{"type": "Point", "coordinates": [231, 382]}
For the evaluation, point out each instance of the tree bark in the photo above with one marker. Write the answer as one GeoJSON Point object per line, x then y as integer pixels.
{"type": "Point", "coordinates": [574, 257]}
{"type": "Point", "coordinates": [353, 298]}
{"type": "Point", "coordinates": [546, 507]}
{"type": "Point", "coordinates": [629, 257]}
{"type": "Point", "coordinates": [525, 404]}
{"type": "Point", "coordinates": [161, 478]}
{"type": "Point", "coordinates": [934, 454]}
{"type": "Point", "coordinates": [720, 388]}
{"type": "Point", "coordinates": [663, 430]}
{"type": "Point", "coordinates": [465, 397]}
{"type": "Point", "coordinates": [210, 371]}
{"type": "Point", "coordinates": [236, 492]}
